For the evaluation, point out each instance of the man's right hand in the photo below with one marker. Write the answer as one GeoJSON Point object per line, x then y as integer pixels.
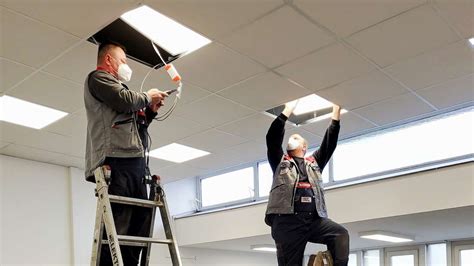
{"type": "Point", "coordinates": [157, 96]}
{"type": "Point", "coordinates": [289, 108]}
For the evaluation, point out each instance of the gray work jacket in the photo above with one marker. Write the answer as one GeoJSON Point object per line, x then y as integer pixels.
{"type": "Point", "coordinates": [283, 190]}
{"type": "Point", "coordinates": [111, 127]}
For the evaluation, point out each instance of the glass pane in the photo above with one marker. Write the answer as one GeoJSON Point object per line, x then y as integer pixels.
{"type": "Point", "coordinates": [419, 142]}
{"type": "Point", "coordinates": [372, 258]}
{"type": "Point", "coordinates": [404, 260]}
{"type": "Point", "coordinates": [265, 179]}
{"type": "Point", "coordinates": [352, 259]}
{"type": "Point", "coordinates": [215, 190]}
{"type": "Point", "coordinates": [467, 257]}
{"type": "Point", "coordinates": [437, 255]}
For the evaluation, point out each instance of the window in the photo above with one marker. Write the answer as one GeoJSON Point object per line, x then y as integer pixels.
{"type": "Point", "coordinates": [427, 141]}
{"type": "Point", "coordinates": [463, 253]}
{"type": "Point", "coordinates": [467, 257]}
{"type": "Point", "coordinates": [402, 260]}
{"type": "Point", "coordinates": [352, 259]}
{"type": "Point", "coordinates": [437, 255]}
{"type": "Point", "coordinates": [229, 187]}
{"type": "Point", "coordinates": [372, 258]}
{"type": "Point", "coordinates": [405, 256]}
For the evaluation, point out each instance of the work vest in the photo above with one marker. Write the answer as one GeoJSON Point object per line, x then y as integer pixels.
{"type": "Point", "coordinates": [282, 193]}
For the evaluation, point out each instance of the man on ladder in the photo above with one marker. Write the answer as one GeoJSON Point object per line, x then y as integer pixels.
{"type": "Point", "coordinates": [117, 121]}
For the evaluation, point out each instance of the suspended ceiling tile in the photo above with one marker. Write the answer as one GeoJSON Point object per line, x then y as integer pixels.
{"type": "Point", "coordinates": [346, 17]}
{"type": "Point", "coordinates": [416, 31]}
{"type": "Point", "coordinates": [266, 91]}
{"type": "Point", "coordinates": [51, 91]}
{"type": "Point", "coordinates": [395, 109]}
{"type": "Point", "coordinates": [362, 91]}
{"type": "Point", "coordinates": [450, 93]}
{"type": "Point", "coordinates": [434, 67]}
{"type": "Point", "coordinates": [30, 42]}
{"type": "Point", "coordinates": [214, 18]}
{"type": "Point", "coordinates": [213, 111]}
{"type": "Point", "coordinates": [11, 73]}
{"type": "Point", "coordinates": [215, 67]}
{"type": "Point", "coordinates": [78, 17]}
{"type": "Point", "coordinates": [278, 37]}
{"type": "Point", "coordinates": [326, 67]}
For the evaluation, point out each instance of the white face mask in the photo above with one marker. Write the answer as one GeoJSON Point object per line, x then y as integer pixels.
{"type": "Point", "coordinates": [124, 73]}
{"type": "Point", "coordinates": [293, 144]}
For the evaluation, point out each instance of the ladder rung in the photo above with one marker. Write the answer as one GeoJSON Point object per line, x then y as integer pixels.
{"type": "Point", "coordinates": [139, 239]}
{"type": "Point", "coordinates": [133, 201]}
{"type": "Point", "coordinates": [126, 243]}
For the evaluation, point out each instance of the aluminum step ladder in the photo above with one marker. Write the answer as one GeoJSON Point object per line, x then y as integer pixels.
{"type": "Point", "coordinates": [104, 220]}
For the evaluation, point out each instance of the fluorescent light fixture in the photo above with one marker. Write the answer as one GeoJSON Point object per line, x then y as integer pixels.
{"type": "Point", "coordinates": [167, 33]}
{"type": "Point", "coordinates": [328, 115]}
{"type": "Point", "coordinates": [311, 103]}
{"type": "Point", "coordinates": [27, 114]}
{"type": "Point", "coordinates": [471, 40]}
{"type": "Point", "coordinates": [264, 248]}
{"type": "Point", "coordinates": [309, 109]}
{"type": "Point", "coordinates": [386, 236]}
{"type": "Point", "coordinates": [177, 153]}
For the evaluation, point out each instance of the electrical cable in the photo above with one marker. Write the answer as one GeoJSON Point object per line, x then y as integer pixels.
{"type": "Point", "coordinates": [166, 114]}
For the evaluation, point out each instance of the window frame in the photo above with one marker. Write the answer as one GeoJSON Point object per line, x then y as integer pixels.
{"type": "Point", "coordinates": [457, 247]}
{"type": "Point", "coordinates": [417, 250]}
{"type": "Point", "coordinates": [229, 203]}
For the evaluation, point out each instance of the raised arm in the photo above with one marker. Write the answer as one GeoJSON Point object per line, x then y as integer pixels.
{"type": "Point", "coordinates": [275, 136]}
{"type": "Point", "coordinates": [329, 143]}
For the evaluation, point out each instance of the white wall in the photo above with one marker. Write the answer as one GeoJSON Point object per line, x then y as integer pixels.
{"type": "Point", "coordinates": [36, 213]}
{"type": "Point", "coordinates": [83, 215]}
{"type": "Point", "coordinates": [207, 257]}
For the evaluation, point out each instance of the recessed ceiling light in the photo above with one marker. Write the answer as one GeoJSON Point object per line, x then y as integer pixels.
{"type": "Point", "coordinates": [167, 33]}
{"type": "Point", "coordinates": [309, 109]}
{"type": "Point", "coordinates": [27, 114]}
{"type": "Point", "coordinates": [386, 236]}
{"type": "Point", "coordinates": [471, 40]}
{"type": "Point", "coordinates": [264, 248]}
{"type": "Point", "coordinates": [177, 153]}
{"type": "Point", "coordinates": [311, 103]}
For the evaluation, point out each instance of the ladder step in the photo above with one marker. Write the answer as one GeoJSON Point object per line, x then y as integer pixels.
{"type": "Point", "coordinates": [134, 201]}
{"type": "Point", "coordinates": [126, 243]}
{"type": "Point", "coordinates": [139, 239]}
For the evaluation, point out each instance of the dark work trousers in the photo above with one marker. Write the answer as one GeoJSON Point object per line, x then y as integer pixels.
{"type": "Point", "coordinates": [127, 180]}
{"type": "Point", "coordinates": [291, 232]}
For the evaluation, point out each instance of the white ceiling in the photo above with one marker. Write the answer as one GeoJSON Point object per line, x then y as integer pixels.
{"type": "Point", "coordinates": [385, 61]}
{"type": "Point", "coordinates": [448, 224]}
